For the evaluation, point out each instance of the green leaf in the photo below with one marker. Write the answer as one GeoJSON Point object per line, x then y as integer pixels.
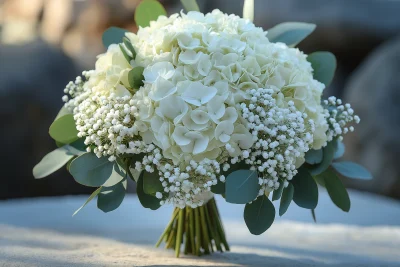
{"type": "Point", "coordinates": [314, 156]}
{"type": "Point", "coordinates": [259, 215]}
{"type": "Point", "coordinates": [339, 149]}
{"type": "Point", "coordinates": [352, 170]}
{"type": "Point", "coordinates": [129, 45]}
{"type": "Point", "coordinates": [219, 188]}
{"type": "Point", "coordinates": [110, 198]}
{"type": "Point", "coordinates": [135, 77]}
{"type": "Point", "coordinates": [90, 170]}
{"type": "Point", "coordinates": [313, 215]}
{"type": "Point", "coordinates": [147, 201]}
{"type": "Point", "coordinates": [64, 130]}
{"type": "Point", "coordinates": [287, 197]}
{"type": "Point", "coordinates": [248, 10]}
{"type": "Point", "coordinates": [134, 174]}
{"type": "Point", "coordinates": [190, 5]}
{"type": "Point", "coordinates": [152, 183]}
{"type": "Point", "coordinates": [53, 161]}
{"type": "Point", "coordinates": [113, 35]}
{"type": "Point", "coordinates": [324, 65]}
{"type": "Point", "coordinates": [95, 193]}
{"type": "Point", "coordinates": [305, 189]}
{"type": "Point", "coordinates": [63, 111]}
{"type": "Point", "coordinates": [241, 186]}
{"type": "Point", "coordinates": [320, 179]}
{"type": "Point", "coordinates": [336, 190]}
{"type": "Point", "coordinates": [278, 192]}
{"type": "Point", "coordinates": [126, 56]}
{"type": "Point", "coordinates": [328, 152]}
{"type": "Point", "coordinates": [290, 33]}
{"type": "Point", "coordinates": [148, 10]}
{"type": "Point", "coordinates": [117, 175]}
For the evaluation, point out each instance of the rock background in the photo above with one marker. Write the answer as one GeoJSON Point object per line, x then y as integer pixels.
{"type": "Point", "coordinates": [46, 43]}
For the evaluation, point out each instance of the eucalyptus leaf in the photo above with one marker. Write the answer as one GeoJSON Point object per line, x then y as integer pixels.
{"type": "Point", "coordinates": [259, 215]}
{"type": "Point", "coordinates": [117, 175]}
{"type": "Point", "coordinates": [248, 10]}
{"type": "Point", "coordinates": [314, 156]}
{"type": "Point", "coordinates": [90, 170]}
{"type": "Point", "coordinates": [190, 5]}
{"type": "Point", "coordinates": [278, 192]}
{"type": "Point", "coordinates": [219, 188]}
{"type": "Point", "coordinates": [290, 33]}
{"type": "Point", "coordinates": [64, 130]}
{"type": "Point", "coordinates": [324, 66]}
{"type": "Point", "coordinates": [339, 149]}
{"type": "Point", "coordinates": [336, 190]}
{"type": "Point", "coordinates": [113, 35]}
{"type": "Point", "coordinates": [352, 170]}
{"type": "Point", "coordinates": [147, 201]}
{"type": "Point", "coordinates": [63, 111]}
{"type": "Point", "coordinates": [152, 183]}
{"type": "Point", "coordinates": [241, 186]}
{"type": "Point", "coordinates": [305, 189]}
{"type": "Point", "coordinates": [135, 77]}
{"type": "Point", "coordinates": [54, 161]}
{"type": "Point", "coordinates": [313, 215]}
{"type": "Point", "coordinates": [129, 45]}
{"type": "Point", "coordinates": [126, 56]}
{"type": "Point", "coordinates": [110, 198]}
{"type": "Point", "coordinates": [328, 153]}
{"type": "Point", "coordinates": [287, 196]}
{"type": "Point", "coordinates": [148, 10]}
{"type": "Point", "coordinates": [93, 195]}
{"type": "Point", "coordinates": [134, 174]}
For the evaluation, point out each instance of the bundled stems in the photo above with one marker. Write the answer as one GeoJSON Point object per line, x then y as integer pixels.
{"type": "Point", "coordinates": [199, 230]}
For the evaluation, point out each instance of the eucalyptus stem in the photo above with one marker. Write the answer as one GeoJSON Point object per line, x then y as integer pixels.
{"type": "Point", "coordinates": [199, 229]}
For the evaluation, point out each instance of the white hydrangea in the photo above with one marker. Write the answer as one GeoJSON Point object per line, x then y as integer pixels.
{"type": "Point", "coordinates": [215, 92]}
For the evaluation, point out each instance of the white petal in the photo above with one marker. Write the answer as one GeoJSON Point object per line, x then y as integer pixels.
{"type": "Point", "coordinates": [242, 136]}
{"type": "Point", "coordinates": [200, 142]}
{"type": "Point", "coordinates": [223, 131]}
{"type": "Point", "coordinates": [199, 116]}
{"type": "Point", "coordinates": [230, 115]}
{"type": "Point", "coordinates": [189, 57]}
{"type": "Point", "coordinates": [160, 69]}
{"type": "Point", "coordinates": [216, 108]}
{"type": "Point", "coordinates": [173, 108]}
{"type": "Point", "coordinates": [204, 65]}
{"type": "Point", "coordinates": [161, 89]}
{"type": "Point", "coordinates": [121, 91]}
{"type": "Point", "coordinates": [197, 94]}
{"type": "Point", "coordinates": [179, 136]}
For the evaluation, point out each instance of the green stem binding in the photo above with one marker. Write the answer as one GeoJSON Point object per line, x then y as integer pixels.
{"type": "Point", "coordinates": [199, 230]}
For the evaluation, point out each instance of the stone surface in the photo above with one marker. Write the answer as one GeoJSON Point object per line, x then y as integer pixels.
{"type": "Point", "coordinates": [41, 232]}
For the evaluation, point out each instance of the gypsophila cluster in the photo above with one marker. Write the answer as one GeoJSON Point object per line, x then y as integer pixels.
{"type": "Point", "coordinates": [339, 115]}
{"type": "Point", "coordinates": [282, 136]}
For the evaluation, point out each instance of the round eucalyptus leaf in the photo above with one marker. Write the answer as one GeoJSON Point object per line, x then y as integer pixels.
{"type": "Point", "coordinates": [278, 192]}
{"type": "Point", "coordinates": [314, 156]}
{"type": "Point", "coordinates": [219, 188]}
{"type": "Point", "coordinates": [135, 77]}
{"type": "Point", "coordinates": [64, 130]}
{"type": "Point", "coordinates": [148, 10]}
{"type": "Point", "coordinates": [117, 175]}
{"type": "Point", "coordinates": [147, 201]}
{"type": "Point", "coordinates": [190, 5]}
{"type": "Point", "coordinates": [110, 198]}
{"type": "Point", "coordinates": [53, 161]}
{"type": "Point", "coordinates": [324, 65]}
{"type": "Point", "coordinates": [90, 170]}
{"type": "Point", "coordinates": [241, 186]}
{"type": "Point", "coordinates": [305, 189]}
{"type": "Point", "coordinates": [336, 190]}
{"type": "Point", "coordinates": [339, 149]}
{"type": "Point", "coordinates": [290, 33]}
{"type": "Point", "coordinates": [152, 183]}
{"type": "Point", "coordinates": [113, 35]}
{"type": "Point", "coordinates": [328, 153]}
{"type": "Point", "coordinates": [93, 195]}
{"type": "Point", "coordinates": [352, 170]}
{"type": "Point", "coordinates": [286, 199]}
{"type": "Point", "coordinates": [259, 215]}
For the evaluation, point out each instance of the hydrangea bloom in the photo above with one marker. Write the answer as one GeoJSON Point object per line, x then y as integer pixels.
{"type": "Point", "coordinates": [215, 92]}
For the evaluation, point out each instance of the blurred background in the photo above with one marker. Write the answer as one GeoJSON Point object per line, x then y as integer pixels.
{"type": "Point", "coordinates": [46, 43]}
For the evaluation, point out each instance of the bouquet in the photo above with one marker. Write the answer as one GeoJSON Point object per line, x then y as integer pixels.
{"type": "Point", "coordinates": [196, 104]}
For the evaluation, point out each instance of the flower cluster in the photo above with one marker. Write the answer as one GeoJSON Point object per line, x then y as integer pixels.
{"type": "Point", "coordinates": [215, 92]}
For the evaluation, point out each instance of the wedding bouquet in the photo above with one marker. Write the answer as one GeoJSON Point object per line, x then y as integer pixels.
{"type": "Point", "coordinates": [196, 104]}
